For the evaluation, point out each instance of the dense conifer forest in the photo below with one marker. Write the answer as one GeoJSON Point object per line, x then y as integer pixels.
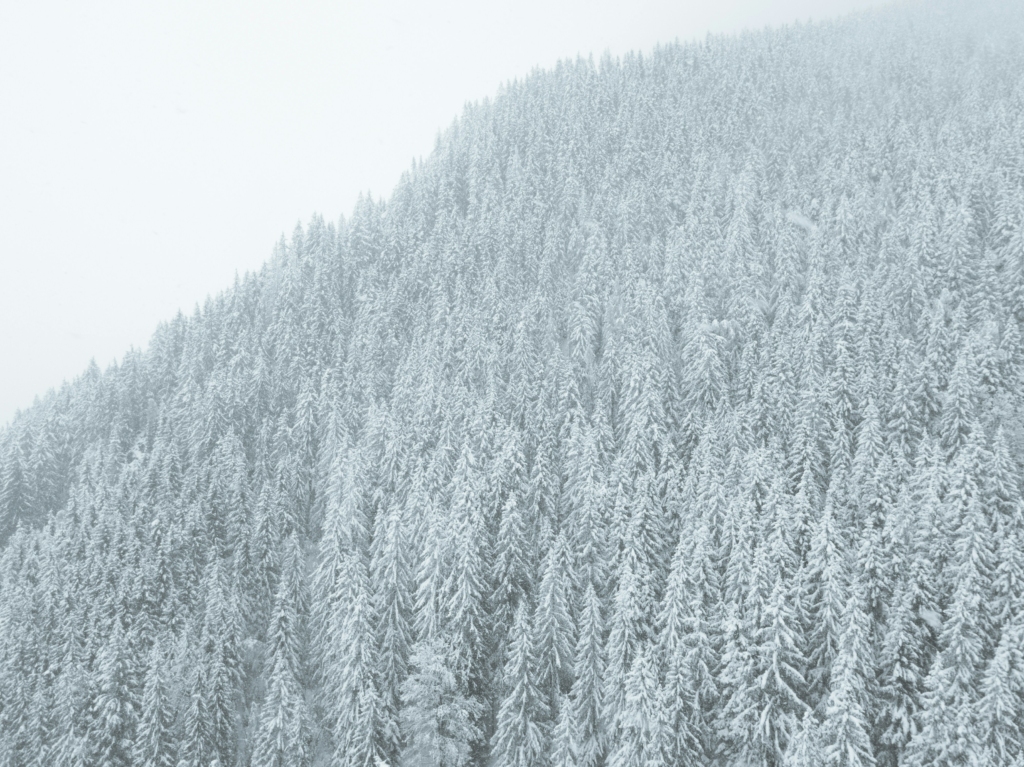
{"type": "Point", "coordinates": [671, 412]}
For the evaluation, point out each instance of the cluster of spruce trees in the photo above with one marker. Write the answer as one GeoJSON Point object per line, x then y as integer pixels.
{"type": "Point", "coordinates": [670, 413]}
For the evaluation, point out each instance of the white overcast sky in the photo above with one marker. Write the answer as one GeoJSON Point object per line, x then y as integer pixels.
{"type": "Point", "coordinates": [149, 150]}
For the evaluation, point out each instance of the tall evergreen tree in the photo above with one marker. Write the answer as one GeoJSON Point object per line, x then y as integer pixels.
{"type": "Point", "coordinates": [519, 740]}
{"type": "Point", "coordinates": [155, 745]}
{"type": "Point", "coordinates": [282, 739]}
{"type": "Point", "coordinates": [848, 713]}
{"type": "Point", "coordinates": [115, 709]}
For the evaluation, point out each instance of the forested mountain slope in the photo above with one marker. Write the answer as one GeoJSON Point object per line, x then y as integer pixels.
{"type": "Point", "coordinates": [670, 413]}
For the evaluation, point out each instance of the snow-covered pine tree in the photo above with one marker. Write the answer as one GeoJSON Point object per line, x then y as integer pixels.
{"type": "Point", "coordinates": [283, 735]}
{"type": "Point", "coordinates": [519, 740]}
{"type": "Point", "coordinates": [155, 742]}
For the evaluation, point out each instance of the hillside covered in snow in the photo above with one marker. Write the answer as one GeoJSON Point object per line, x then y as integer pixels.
{"type": "Point", "coordinates": [670, 413]}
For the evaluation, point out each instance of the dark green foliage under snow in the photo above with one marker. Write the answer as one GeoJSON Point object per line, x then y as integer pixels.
{"type": "Point", "coordinates": [671, 413]}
